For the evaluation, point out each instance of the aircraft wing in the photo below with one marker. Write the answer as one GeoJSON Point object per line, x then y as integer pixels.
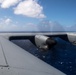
{"type": "Point", "coordinates": [17, 61]}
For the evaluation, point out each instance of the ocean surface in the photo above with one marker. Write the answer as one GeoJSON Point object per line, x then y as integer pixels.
{"type": "Point", "coordinates": [62, 56]}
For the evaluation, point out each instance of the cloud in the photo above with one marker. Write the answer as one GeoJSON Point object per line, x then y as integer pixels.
{"type": "Point", "coordinates": [71, 28]}
{"type": "Point", "coordinates": [46, 25]}
{"type": "Point", "coordinates": [7, 21]}
{"type": "Point", "coordinates": [1, 1]}
{"type": "Point", "coordinates": [8, 3]}
{"type": "Point", "coordinates": [30, 8]}
{"type": "Point", "coordinates": [7, 24]}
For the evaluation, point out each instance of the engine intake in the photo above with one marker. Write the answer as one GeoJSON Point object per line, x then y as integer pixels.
{"type": "Point", "coordinates": [44, 43]}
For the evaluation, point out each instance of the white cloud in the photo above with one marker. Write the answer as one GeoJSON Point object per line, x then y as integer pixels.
{"type": "Point", "coordinates": [8, 3]}
{"type": "Point", "coordinates": [7, 21]}
{"type": "Point", "coordinates": [7, 24]}
{"type": "Point", "coordinates": [30, 8]}
{"type": "Point", "coordinates": [30, 27]}
{"type": "Point", "coordinates": [1, 1]}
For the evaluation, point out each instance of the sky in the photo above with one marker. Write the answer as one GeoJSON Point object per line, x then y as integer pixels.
{"type": "Point", "coordinates": [30, 15]}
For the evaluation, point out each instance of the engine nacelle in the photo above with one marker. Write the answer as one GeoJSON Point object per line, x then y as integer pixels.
{"type": "Point", "coordinates": [44, 42]}
{"type": "Point", "coordinates": [72, 38]}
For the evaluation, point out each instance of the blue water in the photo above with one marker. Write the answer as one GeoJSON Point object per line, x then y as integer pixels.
{"type": "Point", "coordinates": [62, 56]}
